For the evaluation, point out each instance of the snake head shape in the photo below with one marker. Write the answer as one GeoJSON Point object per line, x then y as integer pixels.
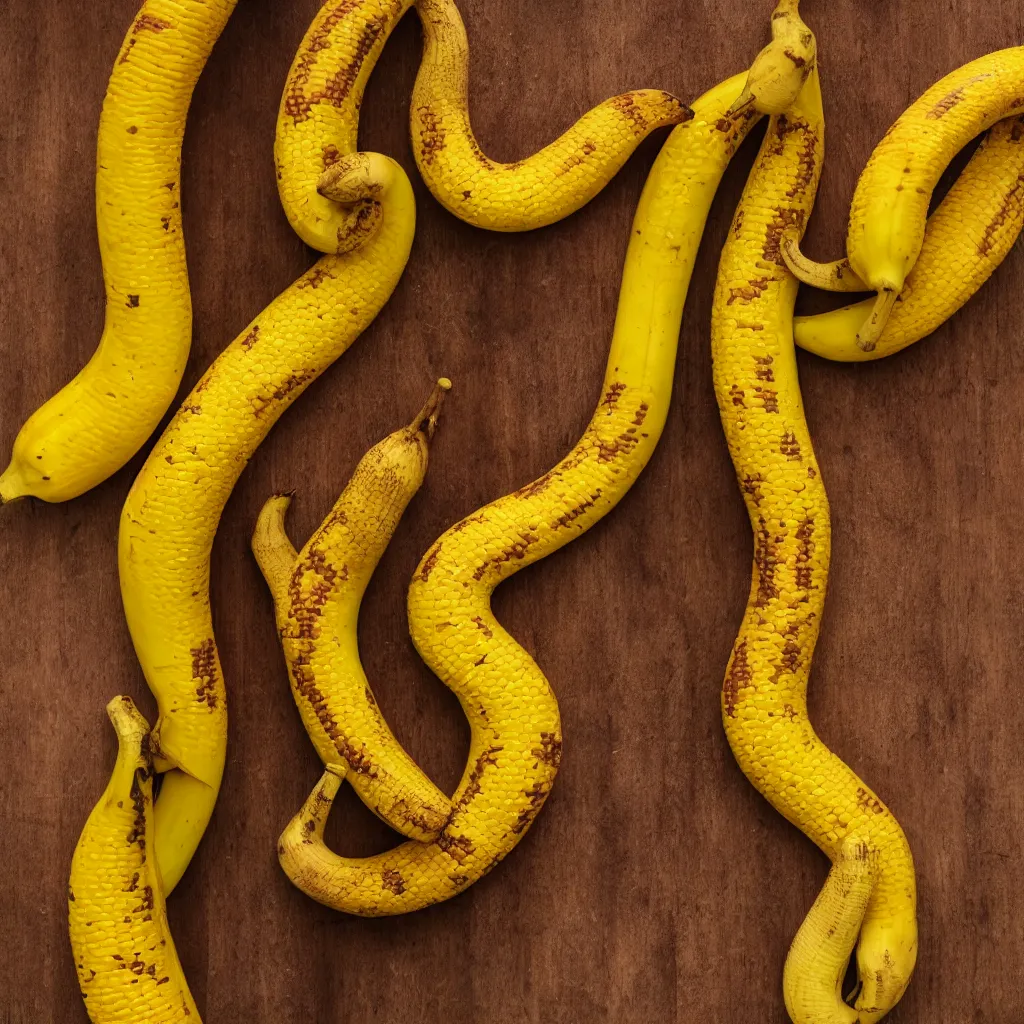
{"type": "Point", "coordinates": [781, 68]}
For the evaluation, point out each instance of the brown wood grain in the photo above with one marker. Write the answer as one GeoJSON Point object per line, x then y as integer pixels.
{"type": "Point", "coordinates": [656, 884]}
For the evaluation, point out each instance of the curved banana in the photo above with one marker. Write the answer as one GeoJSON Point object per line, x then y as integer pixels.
{"type": "Point", "coordinates": [764, 699]}
{"type": "Point", "coordinates": [325, 89]}
{"type": "Point", "coordinates": [539, 189]}
{"type": "Point", "coordinates": [317, 594]}
{"type": "Point", "coordinates": [968, 237]}
{"type": "Point", "coordinates": [171, 515]}
{"type": "Point", "coordinates": [127, 966]}
{"type": "Point", "coordinates": [98, 421]}
{"type": "Point", "coordinates": [793, 50]}
{"type": "Point", "coordinates": [318, 121]}
{"type": "Point", "coordinates": [516, 740]}
{"type": "Point", "coordinates": [816, 966]}
{"type": "Point", "coordinates": [890, 204]}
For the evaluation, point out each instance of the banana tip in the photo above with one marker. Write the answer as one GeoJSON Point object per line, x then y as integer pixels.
{"type": "Point", "coordinates": [11, 489]}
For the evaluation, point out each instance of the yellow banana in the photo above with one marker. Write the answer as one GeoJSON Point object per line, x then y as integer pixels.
{"type": "Point", "coordinates": [127, 966]}
{"type": "Point", "coordinates": [890, 204]}
{"type": "Point", "coordinates": [97, 422]}
{"type": "Point", "coordinates": [813, 976]}
{"type": "Point", "coordinates": [764, 698]}
{"type": "Point", "coordinates": [319, 118]}
{"type": "Point", "coordinates": [528, 193]}
{"type": "Point", "coordinates": [968, 237]}
{"type": "Point", "coordinates": [771, 82]}
{"type": "Point", "coordinates": [317, 594]}
{"type": "Point", "coordinates": [318, 121]}
{"type": "Point", "coordinates": [516, 742]}
{"type": "Point", "coordinates": [171, 515]}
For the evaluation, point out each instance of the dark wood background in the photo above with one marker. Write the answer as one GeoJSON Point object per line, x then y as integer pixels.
{"type": "Point", "coordinates": [656, 885]}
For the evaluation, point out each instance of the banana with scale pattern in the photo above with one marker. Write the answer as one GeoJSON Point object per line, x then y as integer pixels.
{"type": "Point", "coordinates": [870, 897]}
{"type": "Point", "coordinates": [516, 740]}
{"type": "Point", "coordinates": [890, 204]}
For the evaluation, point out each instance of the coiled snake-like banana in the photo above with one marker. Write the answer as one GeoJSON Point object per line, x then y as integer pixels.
{"type": "Point", "coordinates": [516, 740]}
{"type": "Point", "coordinates": [764, 698]}
{"type": "Point", "coordinates": [357, 208]}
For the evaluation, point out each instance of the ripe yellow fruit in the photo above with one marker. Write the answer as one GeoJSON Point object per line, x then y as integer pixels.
{"type": "Point", "coordinates": [97, 422]}
{"type": "Point", "coordinates": [968, 237]}
{"type": "Point", "coordinates": [781, 68]}
{"type": "Point", "coordinates": [127, 966]}
{"type": "Point", "coordinates": [318, 121]}
{"type": "Point", "coordinates": [317, 593]}
{"type": "Point", "coordinates": [764, 701]}
{"type": "Point", "coordinates": [539, 189]}
{"type": "Point", "coordinates": [890, 204]}
{"type": "Point", "coordinates": [171, 515]}
{"type": "Point", "coordinates": [516, 742]}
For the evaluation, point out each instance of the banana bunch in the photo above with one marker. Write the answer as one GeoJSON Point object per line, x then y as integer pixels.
{"type": "Point", "coordinates": [357, 210]}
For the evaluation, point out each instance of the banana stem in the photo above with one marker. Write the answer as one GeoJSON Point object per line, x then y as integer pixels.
{"type": "Point", "coordinates": [869, 335]}
{"type": "Point", "coordinates": [425, 421]}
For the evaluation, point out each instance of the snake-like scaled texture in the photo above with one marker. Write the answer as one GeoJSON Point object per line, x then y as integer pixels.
{"type": "Point", "coordinates": [98, 421]}
{"type": "Point", "coordinates": [968, 237]}
{"type": "Point", "coordinates": [764, 698]}
{"type": "Point", "coordinates": [539, 189]}
{"type": "Point", "coordinates": [516, 740]}
{"type": "Point", "coordinates": [890, 204]}
{"type": "Point", "coordinates": [171, 515]}
{"type": "Point", "coordinates": [317, 594]}
{"type": "Point", "coordinates": [318, 122]}
{"type": "Point", "coordinates": [127, 966]}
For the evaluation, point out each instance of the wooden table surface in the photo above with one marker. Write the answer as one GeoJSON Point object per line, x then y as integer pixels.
{"type": "Point", "coordinates": [656, 884]}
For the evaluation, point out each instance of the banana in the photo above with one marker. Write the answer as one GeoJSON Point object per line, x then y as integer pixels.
{"type": "Point", "coordinates": [764, 700]}
{"type": "Point", "coordinates": [98, 421]}
{"type": "Point", "coordinates": [127, 966]}
{"type": "Point", "coordinates": [968, 237]}
{"type": "Point", "coordinates": [319, 116]}
{"type": "Point", "coordinates": [171, 515]}
{"type": "Point", "coordinates": [317, 594]}
{"type": "Point", "coordinates": [813, 976]}
{"type": "Point", "coordinates": [890, 204]}
{"type": "Point", "coordinates": [318, 120]}
{"type": "Point", "coordinates": [516, 742]}
{"type": "Point", "coordinates": [529, 193]}
{"type": "Point", "coordinates": [770, 85]}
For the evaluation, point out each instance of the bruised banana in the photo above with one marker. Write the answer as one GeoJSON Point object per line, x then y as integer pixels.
{"type": "Point", "coordinates": [968, 237]}
{"type": "Point", "coordinates": [764, 700]}
{"type": "Point", "coordinates": [319, 117]}
{"type": "Point", "coordinates": [98, 421]}
{"type": "Point", "coordinates": [771, 81]}
{"type": "Point", "coordinates": [317, 594]}
{"type": "Point", "coordinates": [516, 738]}
{"type": "Point", "coordinates": [540, 189]}
{"type": "Point", "coordinates": [127, 966]}
{"type": "Point", "coordinates": [890, 204]}
{"type": "Point", "coordinates": [171, 515]}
